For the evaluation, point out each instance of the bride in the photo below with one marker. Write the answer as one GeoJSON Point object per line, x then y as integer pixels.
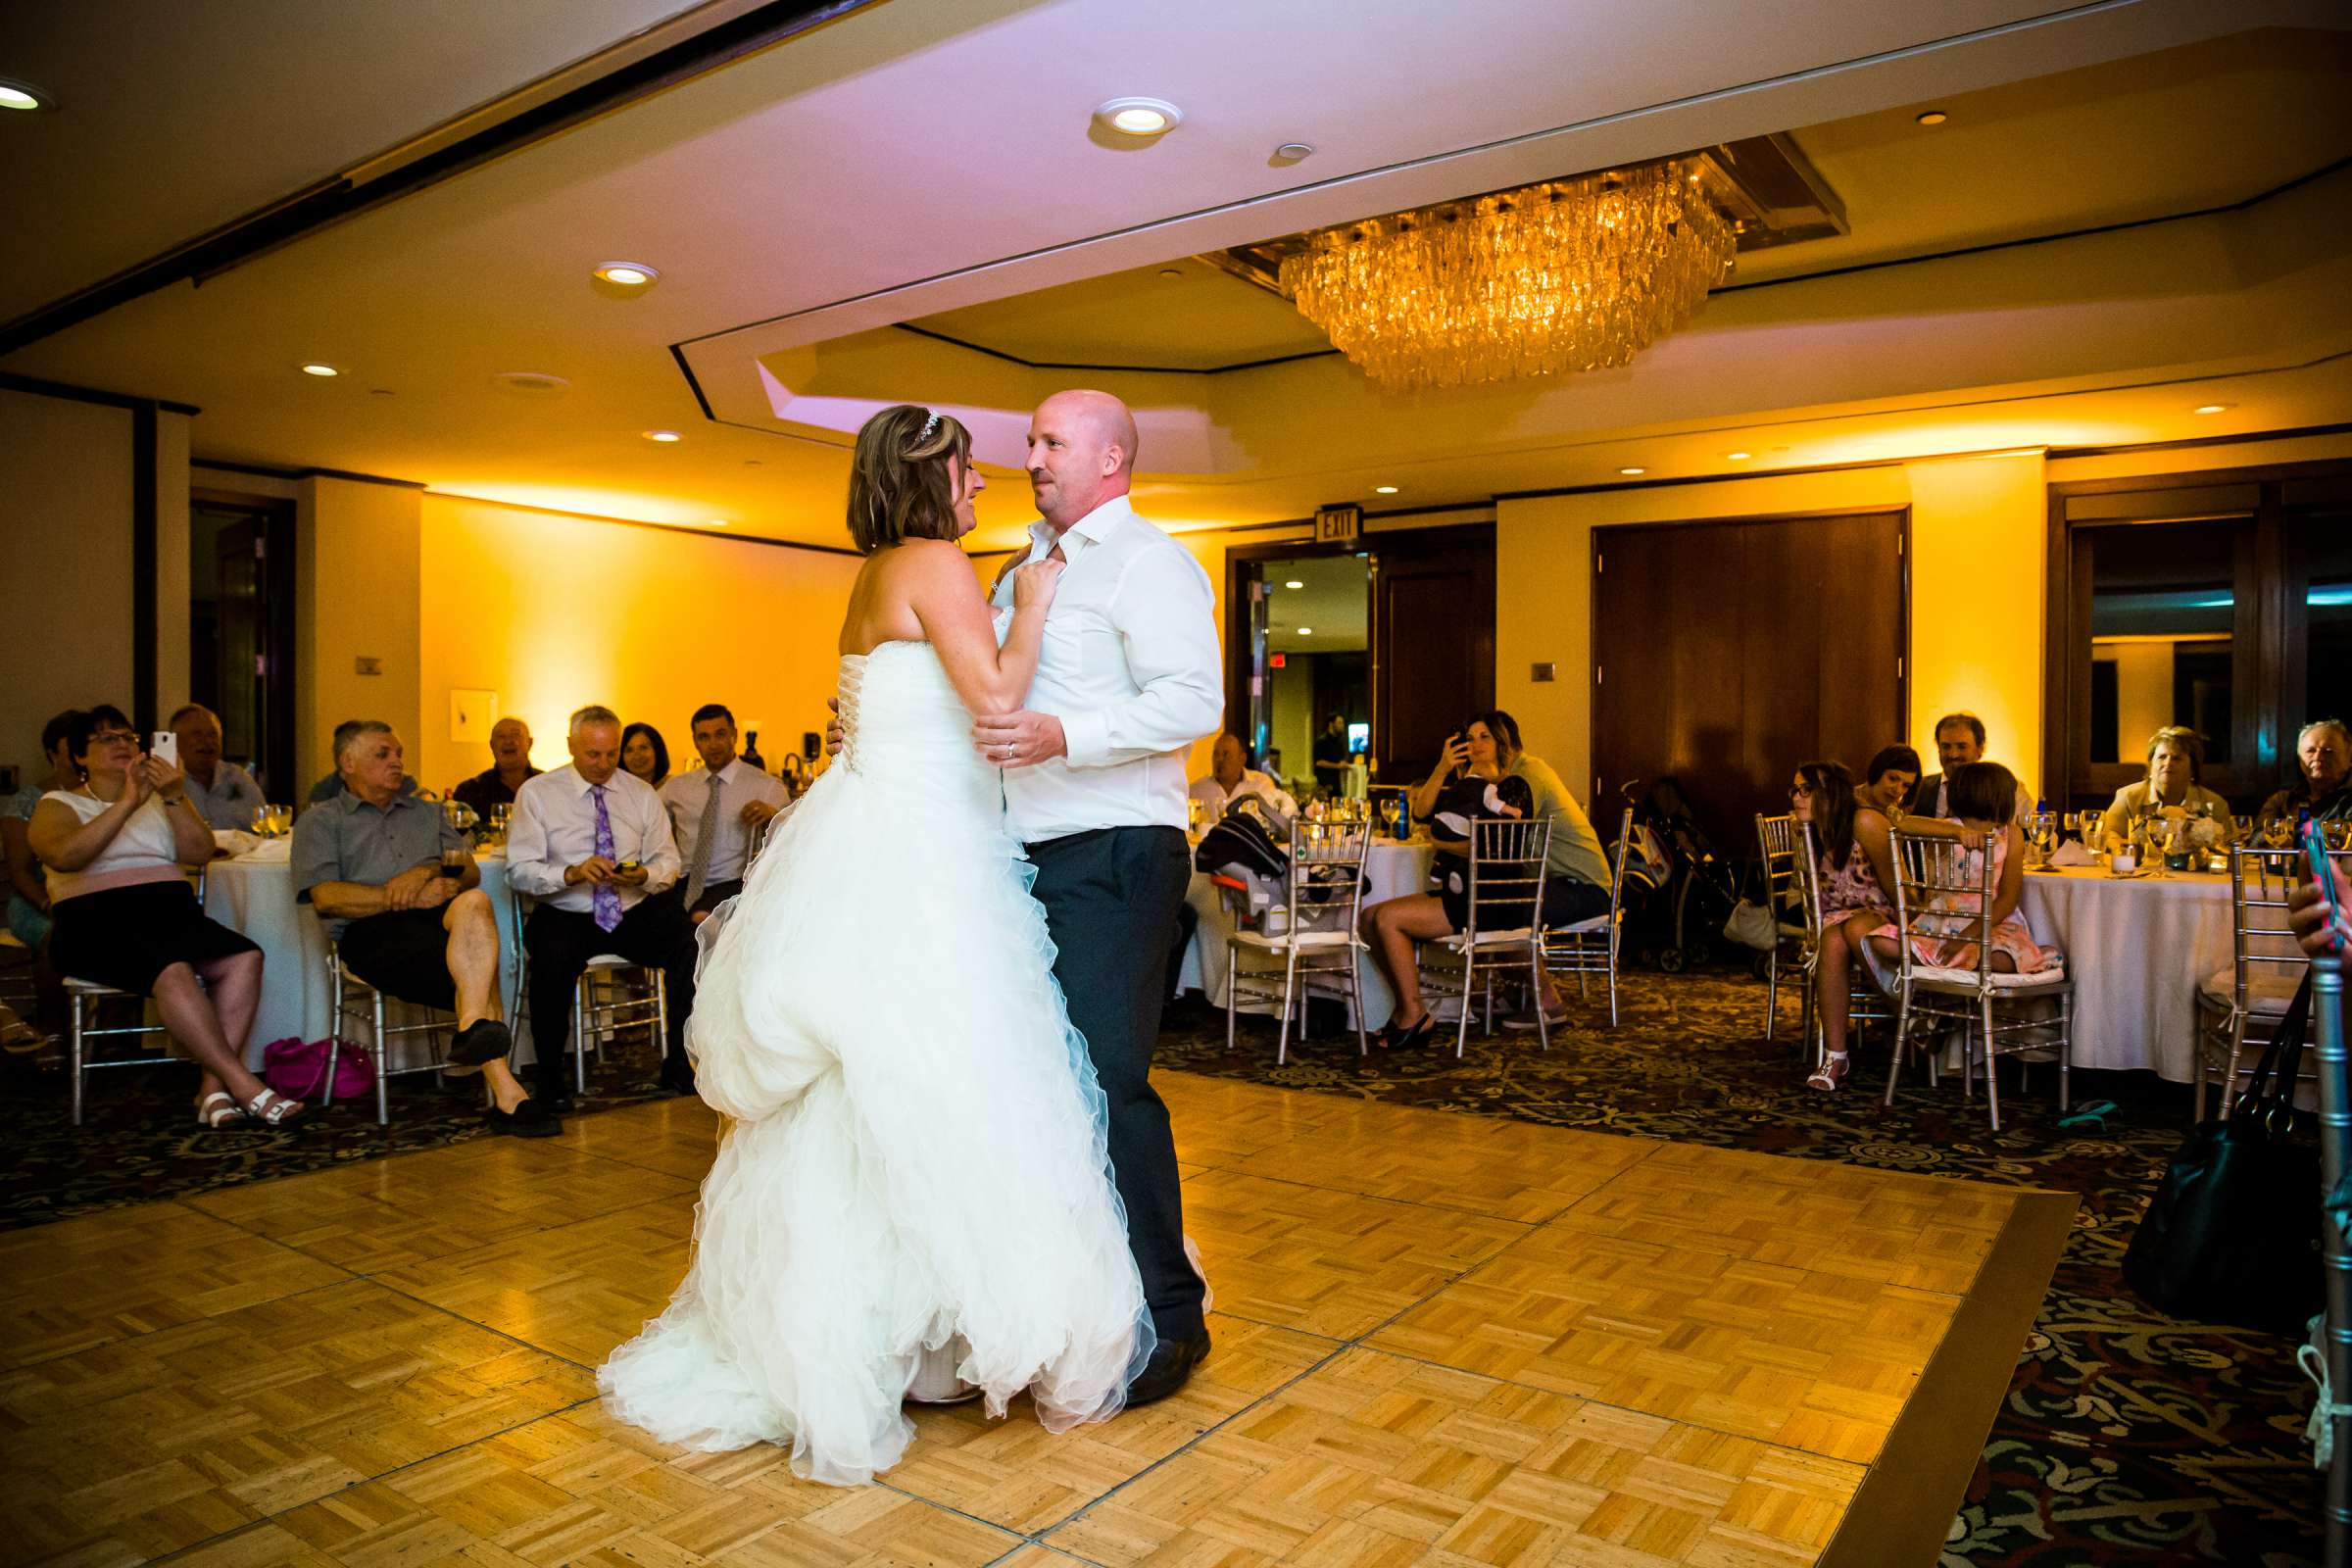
{"type": "Point", "coordinates": [913, 1163]}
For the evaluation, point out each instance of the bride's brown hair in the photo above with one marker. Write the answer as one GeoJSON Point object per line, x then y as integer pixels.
{"type": "Point", "coordinates": [899, 487]}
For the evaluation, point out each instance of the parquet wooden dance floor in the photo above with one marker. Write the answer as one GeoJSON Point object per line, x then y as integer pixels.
{"type": "Point", "coordinates": [1440, 1339]}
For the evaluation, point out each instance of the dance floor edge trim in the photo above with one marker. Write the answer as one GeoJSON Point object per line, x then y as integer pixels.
{"type": "Point", "coordinates": [1904, 1509]}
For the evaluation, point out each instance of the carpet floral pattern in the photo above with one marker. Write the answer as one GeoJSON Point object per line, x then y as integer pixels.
{"type": "Point", "coordinates": [2125, 1437]}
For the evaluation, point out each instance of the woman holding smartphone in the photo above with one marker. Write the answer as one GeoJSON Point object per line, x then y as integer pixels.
{"type": "Point", "coordinates": [123, 915]}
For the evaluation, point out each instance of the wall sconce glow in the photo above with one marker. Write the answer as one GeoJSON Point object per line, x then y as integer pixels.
{"type": "Point", "coordinates": [627, 275]}
{"type": "Point", "coordinates": [1629, 472]}
{"type": "Point", "coordinates": [1294, 583]}
{"type": "Point", "coordinates": [24, 95]}
{"type": "Point", "coordinates": [1140, 116]}
{"type": "Point", "coordinates": [1934, 117]}
{"type": "Point", "coordinates": [320, 369]}
{"type": "Point", "coordinates": [1306, 631]}
{"type": "Point", "coordinates": [1383, 489]}
{"type": "Point", "coordinates": [664, 436]}
{"type": "Point", "coordinates": [2214, 408]}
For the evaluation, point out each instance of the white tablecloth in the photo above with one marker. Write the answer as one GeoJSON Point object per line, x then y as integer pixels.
{"type": "Point", "coordinates": [254, 895]}
{"type": "Point", "coordinates": [1390, 870]}
{"type": "Point", "coordinates": [2137, 949]}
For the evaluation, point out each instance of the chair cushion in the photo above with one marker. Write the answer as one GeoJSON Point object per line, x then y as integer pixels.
{"type": "Point", "coordinates": [2268, 990]}
{"type": "Point", "coordinates": [1495, 939]}
{"type": "Point", "coordinates": [1298, 939]}
{"type": "Point", "coordinates": [1930, 974]}
{"type": "Point", "coordinates": [1596, 926]}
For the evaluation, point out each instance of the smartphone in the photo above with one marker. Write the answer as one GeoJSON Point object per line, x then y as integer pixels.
{"type": "Point", "coordinates": [165, 747]}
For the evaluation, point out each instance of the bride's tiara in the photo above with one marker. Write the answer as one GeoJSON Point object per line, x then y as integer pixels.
{"type": "Point", "coordinates": [929, 425]}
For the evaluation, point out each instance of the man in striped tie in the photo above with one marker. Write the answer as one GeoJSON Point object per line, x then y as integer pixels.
{"type": "Point", "coordinates": [592, 843]}
{"type": "Point", "coordinates": [716, 810]}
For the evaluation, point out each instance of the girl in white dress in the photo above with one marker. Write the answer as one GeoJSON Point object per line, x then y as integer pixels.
{"type": "Point", "coordinates": [914, 1155]}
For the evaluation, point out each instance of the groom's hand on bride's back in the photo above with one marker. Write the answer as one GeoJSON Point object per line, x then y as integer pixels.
{"type": "Point", "coordinates": [833, 727]}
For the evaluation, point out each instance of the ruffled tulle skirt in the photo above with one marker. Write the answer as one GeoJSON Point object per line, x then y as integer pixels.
{"type": "Point", "coordinates": [913, 1151]}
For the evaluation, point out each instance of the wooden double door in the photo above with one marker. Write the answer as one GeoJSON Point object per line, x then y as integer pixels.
{"type": "Point", "coordinates": [1727, 653]}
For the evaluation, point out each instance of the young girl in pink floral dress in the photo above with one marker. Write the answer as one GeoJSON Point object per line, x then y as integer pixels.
{"type": "Point", "coordinates": [1853, 860]}
{"type": "Point", "coordinates": [1983, 798]}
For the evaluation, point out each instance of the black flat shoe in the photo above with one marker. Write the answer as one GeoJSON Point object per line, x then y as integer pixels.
{"type": "Point", "coordinates": [480, 1044]}
{"type": "Point", "coordinates": [530, 1119]}
{"type": "Point", "coordinates": [555, 1102]}
{"type": "Point", "coordinates": [1169, 1368]}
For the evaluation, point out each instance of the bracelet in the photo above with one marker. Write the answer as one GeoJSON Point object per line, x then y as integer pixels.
{"type": "Point", "coordinates": [171, 800]}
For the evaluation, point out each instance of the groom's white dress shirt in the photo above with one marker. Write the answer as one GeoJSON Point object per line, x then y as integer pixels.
{"type": "Point", "coordinates": [1130, 666]}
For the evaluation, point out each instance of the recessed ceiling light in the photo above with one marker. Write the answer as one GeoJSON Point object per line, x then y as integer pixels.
{"type": "Point", "coordinates": [1630, 471]}
{"type": "Point", "coordinates": [627, 275]}
{"type": "Point", "coordinates": [1739, 456]}
{"type": "Point", "coordinates": [1306, 631]}
{"type": "Point", "coordinates": [319, 367]}
{"type": "Point", "coordinates": [718, 523]}
{"type": "Point", "coordinates": [1140, 116]}
{"type": "Point", "coordinates": [1383, 489]}
{"type": "Point", "coordinates": [534, 382]}
{"type": "Point", "coordinates": [664, 436]}
{"type": "Point", "coordinates": [1171, 272]}
{"type": "Point", "coordinates": [2214, 408]}
{"type": "Point", "coordinates": [24, 95]}
{"type": "Point", "coordinates": [1292, 152]}
{"type": "Point", "coordinates": [1934, 117]}
{"type": "Point", "coordinates": [1294, 583]}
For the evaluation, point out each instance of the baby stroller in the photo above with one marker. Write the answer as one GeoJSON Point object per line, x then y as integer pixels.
{"type": "Point", "coordinates": [1701, 889]}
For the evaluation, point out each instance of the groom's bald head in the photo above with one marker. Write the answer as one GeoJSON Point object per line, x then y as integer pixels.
{"type": "Point", "coordinates": [1082, 447]}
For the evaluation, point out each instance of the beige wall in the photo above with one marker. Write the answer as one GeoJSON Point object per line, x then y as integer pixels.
{"type": "Point", "coordinates": [552, 612]}
{"type": "Point", "coordinates": [65, 469]}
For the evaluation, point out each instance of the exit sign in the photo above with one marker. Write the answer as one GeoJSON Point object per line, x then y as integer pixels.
{"type": "Point", "coordinates": [1278, 660]}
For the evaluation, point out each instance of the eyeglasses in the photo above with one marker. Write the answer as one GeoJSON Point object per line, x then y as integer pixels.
{"type": "Point", "coordinates": [107, 737]}
{"type": "Point", "coordinates": [1797, 791]}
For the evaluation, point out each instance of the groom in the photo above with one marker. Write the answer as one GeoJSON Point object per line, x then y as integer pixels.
{"type": "Point", "coordinates": [1094, 785]}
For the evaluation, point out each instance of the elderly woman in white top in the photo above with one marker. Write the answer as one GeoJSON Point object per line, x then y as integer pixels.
{"type": "Point", "coordinates": [2175, 757]}
{"type": "Point", "coordinates": [123, 915]}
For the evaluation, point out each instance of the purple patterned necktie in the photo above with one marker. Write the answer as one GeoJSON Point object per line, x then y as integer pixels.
{"type": "Point", "coordinates": [608, 895]}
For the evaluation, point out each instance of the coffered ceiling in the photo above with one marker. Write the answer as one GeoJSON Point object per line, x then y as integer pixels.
{"type": "Point", "coordinates": [929, 163]}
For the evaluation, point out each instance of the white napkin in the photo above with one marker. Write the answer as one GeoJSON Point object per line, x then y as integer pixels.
{"type": "Point", "coordinates": [2071, 853]}
{"type": "Point", "coordinates": [234, 841]}
{"type": "Point", "coordinates": [268, 852]}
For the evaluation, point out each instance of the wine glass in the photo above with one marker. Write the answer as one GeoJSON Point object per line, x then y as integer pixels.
{"type": "Point", "coordinates": [2045, 835]}
{"type": "Point", "coordinates": [2278, 832]}
{"type": "Point", "coordinates": [263, 820]}
{"type": "Point", "coordinates": [2335, 835]}
{"type": "Point", "coordinates": [2094, 832]}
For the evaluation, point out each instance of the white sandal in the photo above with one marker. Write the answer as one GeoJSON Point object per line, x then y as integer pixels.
{"type": "Point", "coordinates": [219, 1109]}
{"type": "Point", "coordinates": [273, 1109]}
{"type": "Point", "coordinates": [1835, 1066]}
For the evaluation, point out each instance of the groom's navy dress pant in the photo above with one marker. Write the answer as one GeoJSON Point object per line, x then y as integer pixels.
{"type": "Point", "coordinates": [1111, 897]}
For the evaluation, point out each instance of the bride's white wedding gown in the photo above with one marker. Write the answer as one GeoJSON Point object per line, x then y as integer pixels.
{"type": "Point", "coordinates": [914, 1149]}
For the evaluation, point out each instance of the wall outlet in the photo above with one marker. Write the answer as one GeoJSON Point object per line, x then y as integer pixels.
{"type": "Point", "coordinates": [366, 664]}
{"type": "Point", "coordinates": [1543, 673]}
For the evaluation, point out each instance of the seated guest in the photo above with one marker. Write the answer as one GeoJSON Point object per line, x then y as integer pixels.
{"type": "Point", "coordinates": [123, 914]}
{"type": "Point", "coordinates": [369, 862]}
{"type": "Point", "coordinates": [1983, 797]}
{"type": "Point", "coordinates": [2175, 758]}
{"type": "Point", "coordinates": [592, 844]}
{"type": "Point", "coordinates": [1959, 742]}
{"type": "Point", "coordinates": [328, 787]}
{"type": "Point", "coordinates": [715, 808]}
{"type": "Point", "coordinates": [510, 767]}
{"type": "Point", "coordinates": [1888, 780]}
{"type": "Point", "coordinates": [27, 893]}
{"type": "Point", "coordinates": [1229, 777]}
{"type": "Point", "coordinates": [224, 793]}
{"type": "Point", "coordinates": [1855, 865]}
{"type": "Point", "coordinates": [1576, 882]}
{"type": "Point", "coordinates": [2324, 752]}
{"type": "Point", "coordinates": [645, 754]}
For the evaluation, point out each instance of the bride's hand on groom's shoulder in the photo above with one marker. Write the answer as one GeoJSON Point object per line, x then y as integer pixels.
{"type": "Point", "coordinates": [1033, 585]}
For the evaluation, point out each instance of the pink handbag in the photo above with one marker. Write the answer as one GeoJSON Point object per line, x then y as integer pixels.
{"type": "Point", "coordinates": [297, 1067]}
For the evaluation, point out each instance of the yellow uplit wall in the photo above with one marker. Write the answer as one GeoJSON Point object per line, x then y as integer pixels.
{"type": "Point", "coordinates": [358, 586]}
{"type": "Point", "coordinates": [553, 611]}
{"type": "Point", "coordinates": [1979, 540]}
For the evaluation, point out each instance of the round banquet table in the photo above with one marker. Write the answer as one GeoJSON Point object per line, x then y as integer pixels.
{"type": "Point", "coordinates": [254, 893]}
{"type": "Point", "coordinates": [1392, 870]}
{"type": "Point", "coordinates": [2137, 949]}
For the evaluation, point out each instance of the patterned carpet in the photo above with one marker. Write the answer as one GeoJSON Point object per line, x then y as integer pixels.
{"type": "Point", "coordinates": [2125, 1437]}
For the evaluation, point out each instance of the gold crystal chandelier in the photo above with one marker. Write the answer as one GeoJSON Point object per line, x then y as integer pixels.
{"type": "Point", "coordinates": [1565, 276]}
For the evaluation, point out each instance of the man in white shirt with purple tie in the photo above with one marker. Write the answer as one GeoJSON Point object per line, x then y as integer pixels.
{"type": "Point", "coordinates": [592, 843]}
{"type": "Point", "coordinates": [1129, 677]}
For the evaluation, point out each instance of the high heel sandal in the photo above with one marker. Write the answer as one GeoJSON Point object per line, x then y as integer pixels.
{"type": "Point", "coordinates": [1394, 1038]}
{"type": "Point", "coordinates": [1835, 1066]}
